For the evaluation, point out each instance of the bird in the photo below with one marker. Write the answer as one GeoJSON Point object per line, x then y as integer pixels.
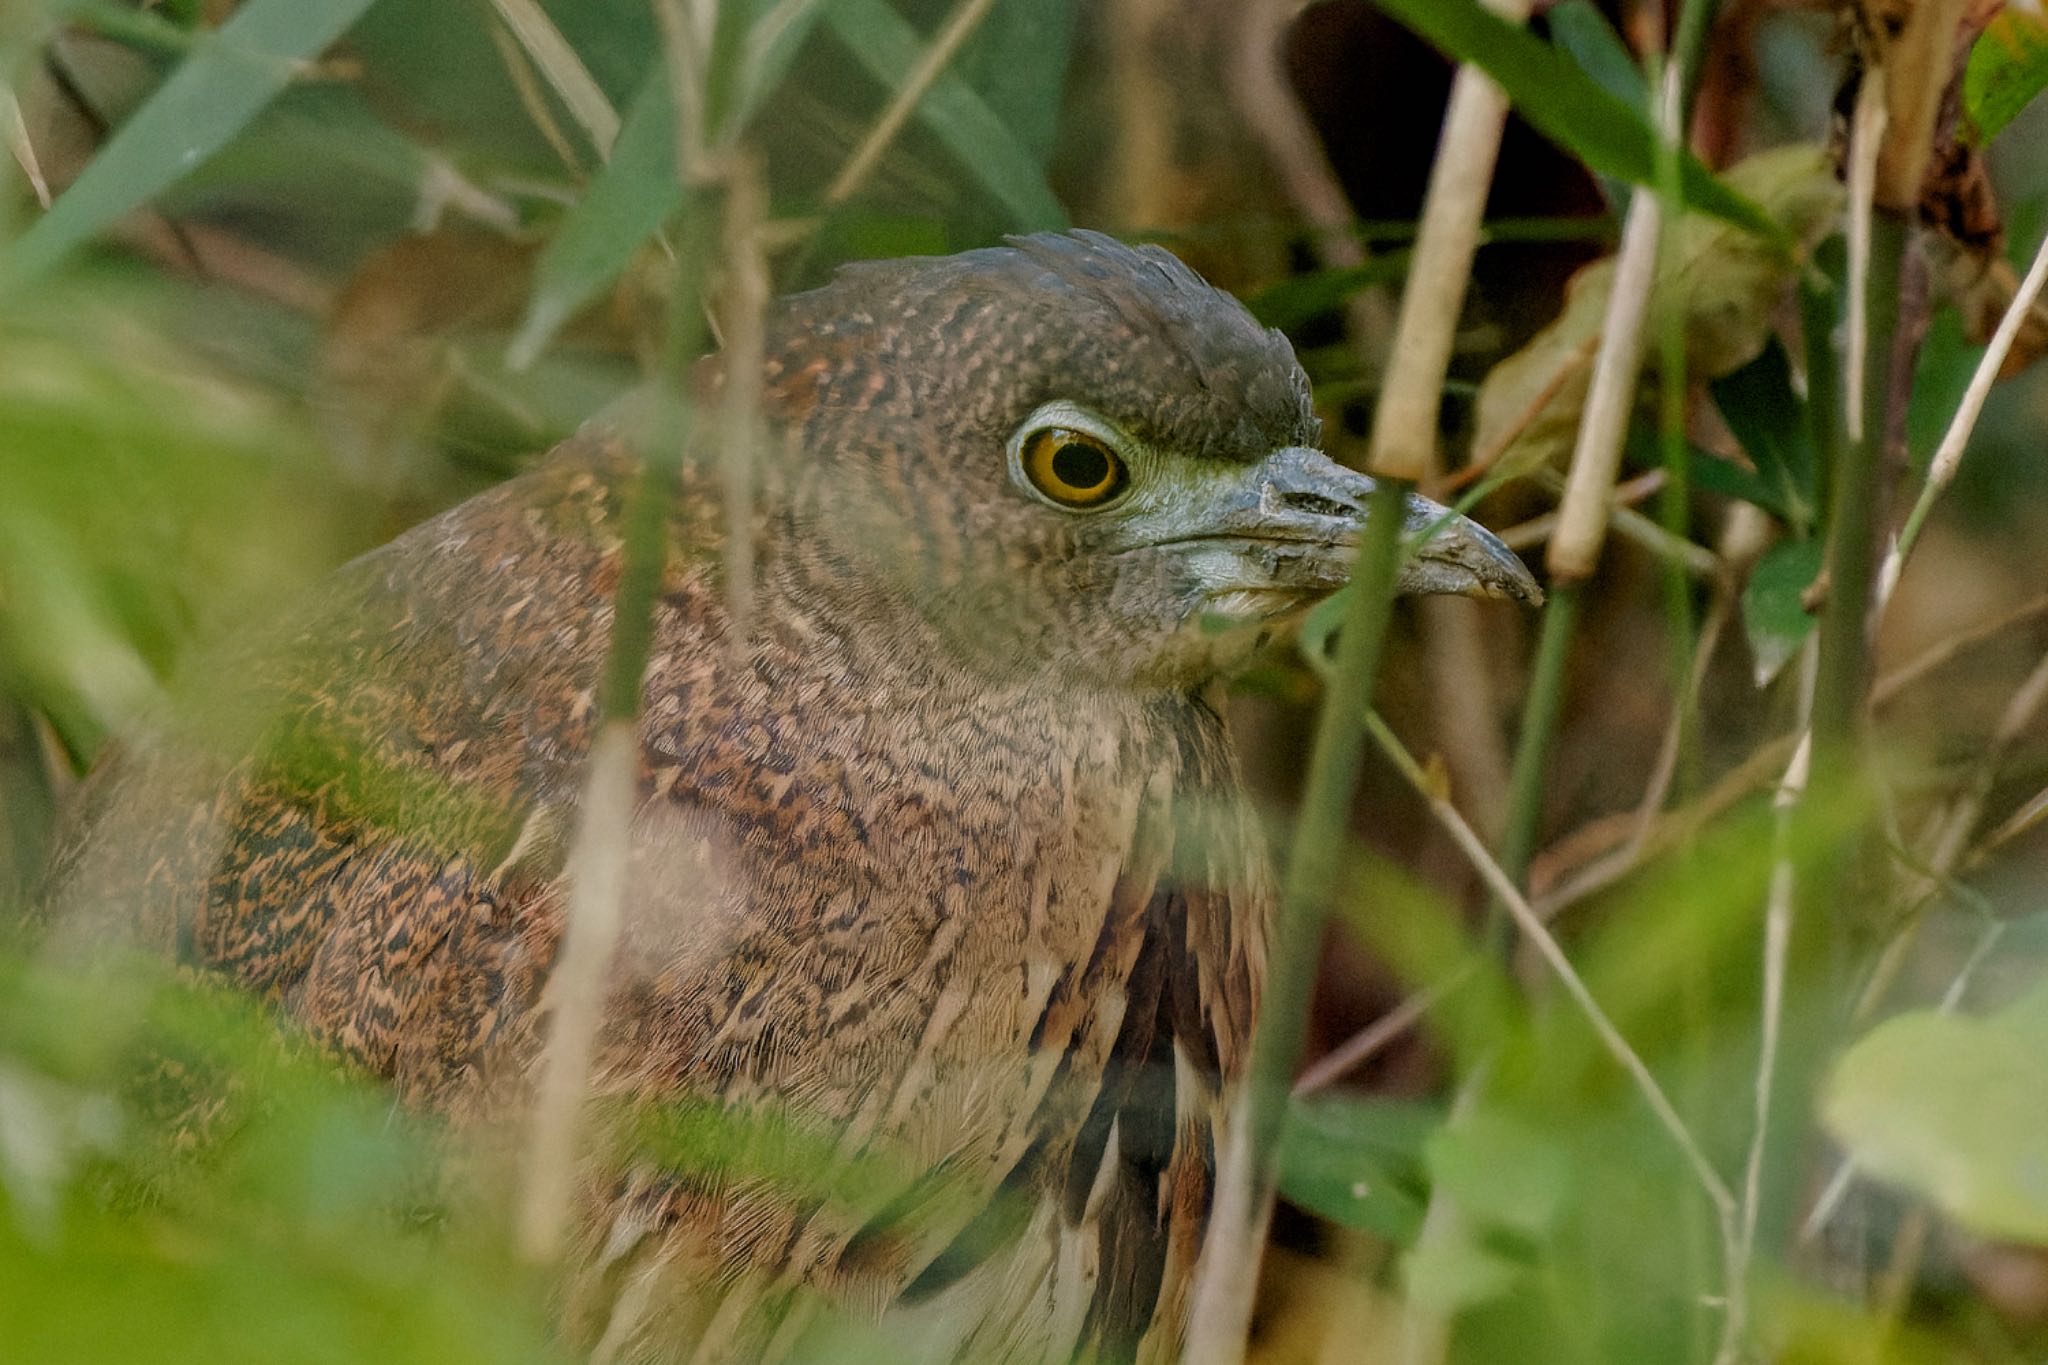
{"type": "Point", "coordinates": [941, 890]}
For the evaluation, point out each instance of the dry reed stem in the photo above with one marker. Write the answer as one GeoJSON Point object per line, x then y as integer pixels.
{"type": "Point", "coordinates": [1866, 135]}
{"type": "Point", "coordinates": [563, 70]}
{"type": "Point", "coordinates": [1405, 425]}
{"type": "Point", "coordinates": [595, 874]}
{"type": "Point", "coordinates": [1588, 504]}
{"type": "Point", "coordinates": [1918, 64]}
{"type": "Point", "coordinates": [952, 35]}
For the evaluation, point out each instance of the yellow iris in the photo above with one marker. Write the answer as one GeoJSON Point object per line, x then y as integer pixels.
{"type": "Point", "coordinates": [1072, 467]}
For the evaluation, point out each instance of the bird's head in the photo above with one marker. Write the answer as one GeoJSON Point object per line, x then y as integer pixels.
{"type": "Point", "coordinates": [1076, 456]}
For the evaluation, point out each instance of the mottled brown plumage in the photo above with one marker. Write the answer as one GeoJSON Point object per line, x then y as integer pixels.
{"type": "Point", "coordinates": [940, 859]}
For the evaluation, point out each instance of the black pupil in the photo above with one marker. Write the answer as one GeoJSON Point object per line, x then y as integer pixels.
{"type": "Point", "coordinates": [1080, 466]}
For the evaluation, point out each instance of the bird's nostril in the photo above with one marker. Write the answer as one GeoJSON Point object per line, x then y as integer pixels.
{"type": "Point", "coordinates": [1301, 500]}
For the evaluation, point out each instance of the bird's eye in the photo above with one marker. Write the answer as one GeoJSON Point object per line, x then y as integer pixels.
{"type": "Point", "coordinates": [1072, 467]}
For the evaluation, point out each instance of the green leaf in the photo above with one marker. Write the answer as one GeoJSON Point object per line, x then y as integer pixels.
{"type": "Point", "coordinates": [630, 197]}
{"type": "Point", "coordinates": [1774, 613]}
{"type": "Point", "coordinates": [772, 43]}
{"type": "Point", "coordinates": [2008, 67]}
{"type": "Point", "coordinates": [1954, 1109]}
{"type": "Point", "coordinates": [1583, 31]}
{"type": "Point", "coordinates": [1358, 1162]}
{"type": "Point", "coordinates": [1731, 480]}
{"type": "Point", "coordinates": [1568, 106]}
{"type": "Point", "coordinates": [1502, 1172]}
{"type": "Point", "coordinates": [1508, 1183]}
{"type": "Point", "coordinates": [624, 205]}
{"type": "Point", "coordinates": [230, 76]}
{"type": "Point", "coordinates": [1016, 59]}
{"type": "Point", "coordinates": [1769, 418]}
{"type": "Point", "coordinates": [881, 40]}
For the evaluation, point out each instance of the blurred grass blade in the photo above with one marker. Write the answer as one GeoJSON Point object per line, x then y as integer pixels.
{"type": "Point", "coordinates": [1568, 106]}
{"type": "Point", "coordinates": [883, 42]}
{"type": "Point", "coordinates": [1299, 299]}
{"type": "Point", "coordinates": [2008, 68]}
{"type": "Point", "coordinates": [230, 76]}
{"type": "Point", "coordinates": [1583, 31]}
{"type": "Point", "coordinates": [771, 45]}
{"type": "Point", "coordinates": [625, 204]}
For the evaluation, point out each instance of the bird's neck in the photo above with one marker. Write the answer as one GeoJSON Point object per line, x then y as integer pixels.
{"type": "Point", "coordinates": [836, 619]}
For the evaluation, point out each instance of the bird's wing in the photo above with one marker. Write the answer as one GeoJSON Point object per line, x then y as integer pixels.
{"type": "Point", "coordinates": [1102, 1266]}
{"type": "Point", "coordinates": [343, 813]}
{"type": "Point", "coordinates": [1169, 1083]}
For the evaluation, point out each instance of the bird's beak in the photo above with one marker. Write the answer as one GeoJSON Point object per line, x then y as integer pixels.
{"type": "Point", "coordinates": [1306, 512]}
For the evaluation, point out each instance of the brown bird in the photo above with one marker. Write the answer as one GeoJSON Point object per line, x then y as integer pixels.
{"type": "Point", "coordinates": [942, 890]}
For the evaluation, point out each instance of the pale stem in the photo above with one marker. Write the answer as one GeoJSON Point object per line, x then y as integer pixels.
{"type": "Point", "coordinates": [1610, 398]}
{"type": "Point", "coordinates": [595, 872]}
{"type": "Point", "coordinates": [1866, 135]}
{"type": "Point", "coordinates": [1405, 426]}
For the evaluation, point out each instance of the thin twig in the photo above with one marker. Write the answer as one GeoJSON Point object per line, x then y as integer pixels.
{"type": "Point", "coordinates": [1665, 771]}
{"type": "Point", "coordinates": [1948, 456]}
{"type": "Point", "coordinates": [952, 35]}
{"type": "Point", "coordinates": [526, 83]}
{"type": "Point", "coordinates": [1947, 648]}
{"type": "Point", "coordinates": [1532, 926]}
{"type": "Point", "coordinates": [563, 70]}
{"type": "Point", "coordinates": [1272, 111]}
{"type": "Point", "coordinates": [1353, 1051]}
{"type": "Point", "coordinates": [2034, 812]}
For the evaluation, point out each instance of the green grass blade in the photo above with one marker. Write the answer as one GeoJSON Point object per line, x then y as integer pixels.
{"type": "Point", "coordinates": [1568, 106]}
{"type": "Point", "coordinates": [229, 78]}
{"type": "Point", "coordinates": [637, 189]}
{"type": "Point", "coordinates": [624, 205]}
{"type": "Point", "coordinates": [883, 42]}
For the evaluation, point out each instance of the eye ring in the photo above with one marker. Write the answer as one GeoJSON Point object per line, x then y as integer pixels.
{"type": "Point", "coordinates": [1072, 468]}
